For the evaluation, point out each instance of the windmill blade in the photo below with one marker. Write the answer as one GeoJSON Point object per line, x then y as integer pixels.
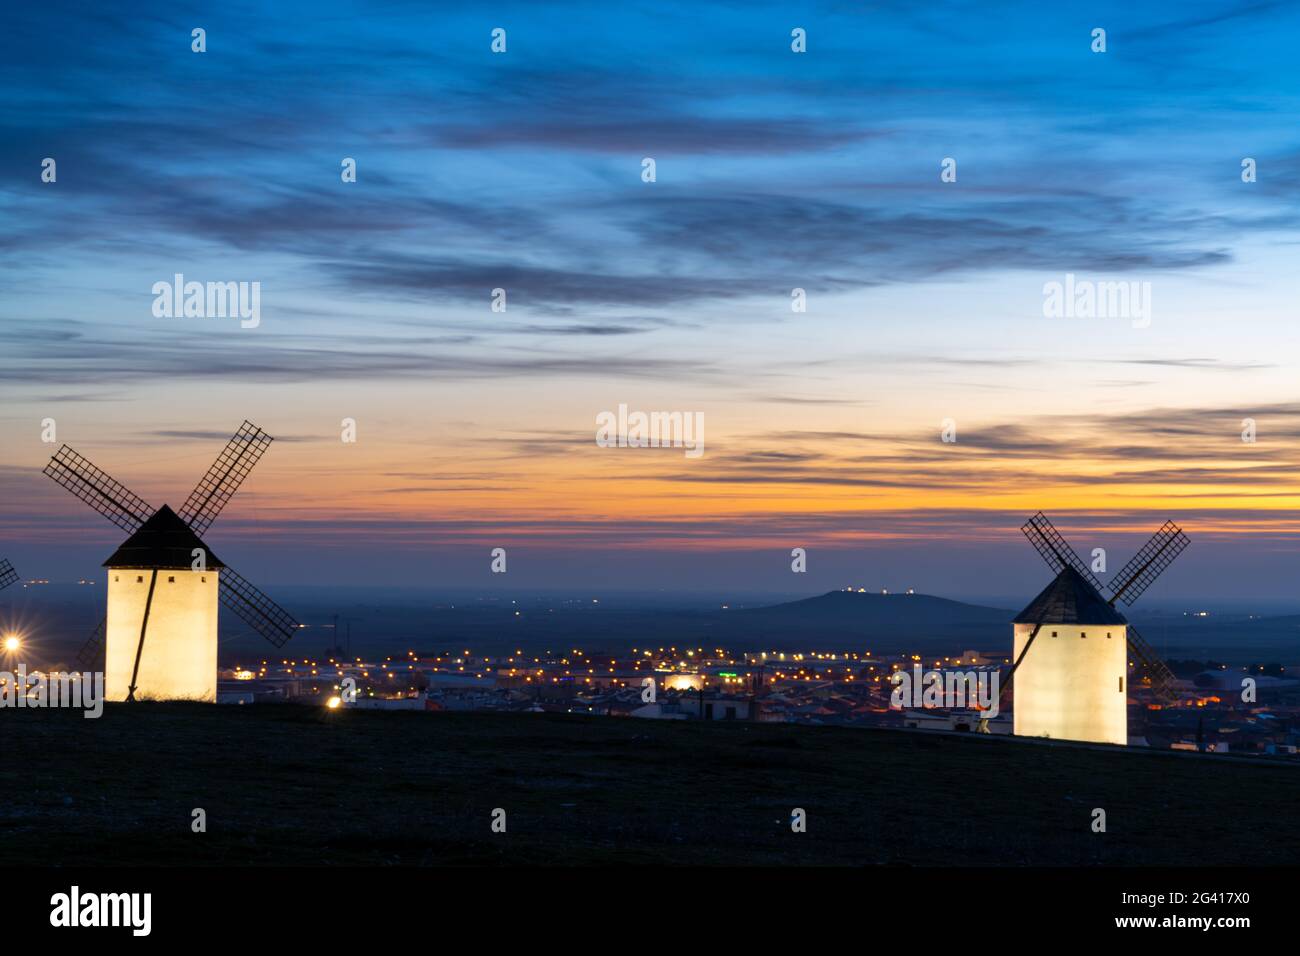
{"type": "Point", "coordinates": [1162, 678]}
{"type": "Point", "coordinates": [91, 655]}
{"type": "Point", "coordinates": [223, 479]}
{"type": "Point", "coordinates": [256, 609]}
{"type": "Point", "coordinates": [1149, 563]}
{"type": "Point", "coordinates": [98, 489]}
{"type": "Point", "coordinates": [8, 575]}
{"type": "Point", "coordinates": [1056, 551]}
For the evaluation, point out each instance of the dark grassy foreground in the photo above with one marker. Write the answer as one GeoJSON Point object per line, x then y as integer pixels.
{"type": "Point", "coordinates": [289, 785]}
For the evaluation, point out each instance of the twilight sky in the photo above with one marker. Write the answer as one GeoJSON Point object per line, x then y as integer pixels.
{"type": "Point", "coordinates": [775, 170]}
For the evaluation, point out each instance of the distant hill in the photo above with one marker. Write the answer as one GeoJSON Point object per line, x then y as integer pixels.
{"type": "Point", "coordinates": [838, 620]}
{"type": "Point", "coordinates": [873, 621]}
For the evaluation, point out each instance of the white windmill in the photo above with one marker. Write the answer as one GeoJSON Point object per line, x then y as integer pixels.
{"type": "Point", "coordinates": [159, 638]}
{"type": "Point", "coordinates": [1075, 684]}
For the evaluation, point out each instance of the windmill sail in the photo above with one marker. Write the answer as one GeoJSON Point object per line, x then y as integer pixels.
{"type": "Point", "coordinates": [1056, 551]}
{"type": "Point", "coordinates": [223, 479]}
{"type": "Point", "coordinates": [1163, 681]}
{"type": "Point", "coordinates": [1150, 561]}
{"type": "Point", "coordinates": [256, 609]}
{"type": "Point", "coordinates": [91, 655]}
{"type": "Point", "coordinates": [98, 489]}
{"type": "Point", "coordinates": [8, 575]}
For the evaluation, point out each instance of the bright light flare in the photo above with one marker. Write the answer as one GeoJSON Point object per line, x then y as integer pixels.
{"type": "Point", "coordinates": [12, 643]}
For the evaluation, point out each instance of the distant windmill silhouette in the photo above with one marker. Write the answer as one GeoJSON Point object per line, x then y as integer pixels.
{"type": "Point", "coordinates": [8, 575]}
{"type": "Point", "coordinates": [163, 540]}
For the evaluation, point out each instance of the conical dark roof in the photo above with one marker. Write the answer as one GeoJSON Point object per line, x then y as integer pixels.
{"type": "Point", "coordinates": [164, 542]}
{"type": "Point", "coordinates": [1069, 599]}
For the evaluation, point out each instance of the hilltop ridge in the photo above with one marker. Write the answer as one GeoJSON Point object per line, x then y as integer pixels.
{"type": "Point", "coordinates": [289, 785]}
{"type": "Point", "coordinates": [846, 618]}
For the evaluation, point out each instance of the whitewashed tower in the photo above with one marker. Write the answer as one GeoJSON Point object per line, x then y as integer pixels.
{"type": "Point", "coordinates": [161, 630]}
{"type": "Point", "coordinates": [1072, 687]}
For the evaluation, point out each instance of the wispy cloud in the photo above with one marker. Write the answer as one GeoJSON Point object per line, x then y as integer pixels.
{"type": "Point", "coordinates": [774, 171]}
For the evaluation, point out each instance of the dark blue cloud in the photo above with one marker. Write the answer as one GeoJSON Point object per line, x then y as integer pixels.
{"type": "Point", "coordinates": [522, 171]}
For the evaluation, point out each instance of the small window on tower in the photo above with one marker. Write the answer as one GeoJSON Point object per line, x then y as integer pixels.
{"type": "Point", "coordinates": [1083, 634]}
{"type": "Point", "coordinates": [1108, 635]}
{"type": "Point", "coordinates": [139, 579]}
{"type": "Point", "coordinates": [203, 580]}
{"type": "Point", "coordinates": [1053, 634]}
{"type": "Point", "coordinates": [1121, 685]}
{"type": "Point", "coordinates": [171, 579]}
{"type": "Point", "coordinates": [116, 578]}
